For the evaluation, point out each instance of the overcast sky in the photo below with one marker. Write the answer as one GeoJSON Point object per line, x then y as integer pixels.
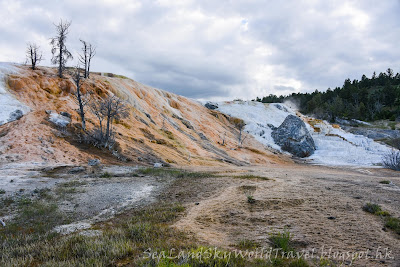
{"type": "Point", "coordinates": [211, 49]}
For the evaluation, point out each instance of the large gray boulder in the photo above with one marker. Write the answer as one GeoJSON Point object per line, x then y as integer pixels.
{"type": "Point", "coordinates": [293, 136]}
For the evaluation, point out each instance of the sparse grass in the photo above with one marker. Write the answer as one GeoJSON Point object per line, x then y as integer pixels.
{"type": "Point", "coordinates": [24, 201]}
{"type": "Point", "coordinates": [125, 240]}
{"type": "Point", "coordinates": [63, 190]}
{"type": "Point", "coordinates": [372, 208]}
{"type": "Point", "coordinates": [73, 183]}
{"type": "Point", "coordinates": [106, 175]}
{"type": "Point", "coordinates": [251, 199]}
{"type": "Point", "coordinates": [384, 182]}
{"type": "Point", "coordinates": [390, 222]}
{"type": "Point", "coordinates": [175, 173]}
{"type": "Point", "coordinates": [43, 193]}
{"type": "Point", "coordinates": [251, 176]}
{"type": "Point", "coordinates": [169, 134]}
{"type": "Point", "coordinates": [392, 125]}
{"type": "Point", "coordinates": [30, 241]}
{"type": "Point", "coordinates": [123, 123]}
{"type": "Point", "coordinates": [29, 228]}
{"type": "Point", "coordinates": [247, 244]}
{"type": "Point", "coordinates": [324, 262]}
{"type": "Point", "coordinates": [2, 191]}
{"type": "Point", "coordinates": [383, 213]}
{"type": "Point", "coordinates": [204, 257]}
{"type": "Point", "coordinates": [299, 263]}
{"type": "Point", "coordinates": [6, 202]}
{"type": "Point", "coordinates": [281, 240]}
{"type": "Point", "coordinates": [393, 224]}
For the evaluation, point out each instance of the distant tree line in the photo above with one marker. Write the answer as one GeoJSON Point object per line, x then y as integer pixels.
{"type": "Point", "coordinates": [367, 99]}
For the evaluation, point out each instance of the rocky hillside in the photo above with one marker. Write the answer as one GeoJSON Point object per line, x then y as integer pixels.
{"type": "Point", "coordinates": [161, 126]}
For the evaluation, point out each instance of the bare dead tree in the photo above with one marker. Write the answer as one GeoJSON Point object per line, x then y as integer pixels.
{"type": "Point", "coordinates": [97, 108]}
{"type": "Point", "coordinates": [115, 109]}
{"type": "Point", "coordinates": [81, 100]}
{"type": "Point", "coordinates": [33, 55]}
{"type": "Point", "coordinates": [108, 109]}
{"type": "Point", "coordinates": [83, 57]}
{"type": "Point", "coordinates": [242, 139]}
{"type": "Point", "coordinates": [88, 52]}
{"type": "Point", "coordinates": [91, 54]}
{"type": "Point", "coordinates": [59, 50]}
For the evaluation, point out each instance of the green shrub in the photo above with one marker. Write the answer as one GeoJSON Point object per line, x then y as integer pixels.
{"type": "Point", "coordinates": [281, 240]}
{"type": "Point", "coordinates": [393, 223]}
{"type": "Point", "coordinates": [372, 208]}
{"type": "Point", "coordinates": [247, 244]}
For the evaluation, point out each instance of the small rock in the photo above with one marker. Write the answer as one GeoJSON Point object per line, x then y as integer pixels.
{"type": "Point", "coordinates": [59, 120]}
{"type": "Point", "coordinates": [2, 223]}
{"type": "Point", "coordinates": [197, 203]}
{"type": "Point", "coordinates": [158, 165]}
{"type": "Point", "coordinates": [66, 114]}
{"type": "Point", "coordinates": [50, 111]}
{"type": "Point", "coordinates": [94, 162]}
{"type": "Point", "coordinates": [280, 107]}
{"type": "Point", "coordinates": [15, 115]}
{"type": "Point", "coordinates": [211, 105]}
{"type": "Point", "coordinates": [331, 218]}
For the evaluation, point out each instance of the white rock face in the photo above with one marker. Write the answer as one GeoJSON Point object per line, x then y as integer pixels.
{"type": "Point", "coordinates": [10, 108]}
{"type": "Point", "coordinates": [334, 146]}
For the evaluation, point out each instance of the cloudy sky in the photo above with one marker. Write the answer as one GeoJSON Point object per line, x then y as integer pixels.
{"type": "Point", "coordinates": [211, 49]}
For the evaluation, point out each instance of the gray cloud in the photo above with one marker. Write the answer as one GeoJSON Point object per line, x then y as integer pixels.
{"type": "Point", "coordinates": [217, 49]}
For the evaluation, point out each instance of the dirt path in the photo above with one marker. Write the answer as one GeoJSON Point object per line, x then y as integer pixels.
{"type": "Point", "coordinates": [322, 208]}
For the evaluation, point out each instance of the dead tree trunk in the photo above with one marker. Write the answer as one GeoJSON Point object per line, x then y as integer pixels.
{"type": "Point", "coordinates": [88, 52]}
{"type": "Point", "coordinates": [59, 49]}
{"type": "Point", "coordinates": [81, 101]}
{"type": "Point", "coordinates": [33, 55]}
